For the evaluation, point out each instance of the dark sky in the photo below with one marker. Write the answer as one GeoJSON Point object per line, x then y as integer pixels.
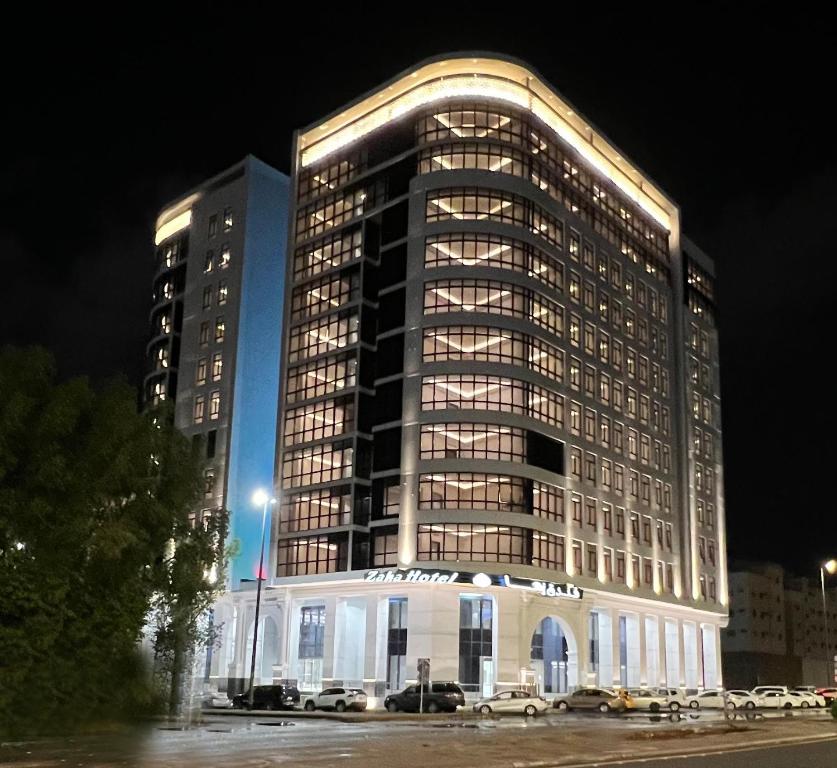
{"type": "Point", "coordinates": [728, 110]}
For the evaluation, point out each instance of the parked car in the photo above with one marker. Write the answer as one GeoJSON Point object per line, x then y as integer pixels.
{"type": "Point", "coordinates": [773, 699]}
{"type": "Point", "coordinates": [810, 693]}
{"type": "Point", "coordinates": [339, 699]}
{"type": "Point", "coordinates": [760, 690]}
{"type": "Point", "coordinates": [512, 701]}
{"type": "Point", "coordinates": [602, 699]}
{"type": "Point", "coordinates": [741, 699]}
{"type": "Point", "coordinates": [268, 697]}
{"type": "Point", "coordinates": [711, 699]}
{"type": "Point", "coordinates": [216, 700]}
{"type": "Point", "coordinates": [676, 697]}
{"type": "Point", "coordinates": [829, 694]}
{"type": "Point", "coordinates": [439, 697]}
{"type": "Point", "coordinates": [803, 699]}
{"type": "Point", "coordinates": [644, 698]}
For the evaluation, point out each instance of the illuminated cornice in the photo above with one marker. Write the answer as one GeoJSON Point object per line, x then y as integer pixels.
{"type": "Point", "coordinates": [494, 79]}
{"type": "Point", "coordinates": [174, 219]}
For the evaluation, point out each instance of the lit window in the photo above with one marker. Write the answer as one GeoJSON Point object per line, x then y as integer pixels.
{"type": "Point", "coordinates": [214, 404]}
{"type": "Point", "coordinates": [219, 329]}
{"type": "Point", "coordinates": [200, 372]}
{"type": "Point", "coordinates": [198, 409]}
{"type": "Point", "coordinates": [209, 261]}
{"type": "Point", "coordinates": [228, 219]}
{"type": "Point", "coordinates": [224, 257]}
{"type": "Point", "coordinates": [217, 366]}
{"type": "Point", "coordinates": [165, 323]}
{"type": "Point", "coordinates": [162, 358]}
{"type": "Point", "coordinates": [222, 293]}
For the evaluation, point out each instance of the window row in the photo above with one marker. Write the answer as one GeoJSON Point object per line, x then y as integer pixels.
{"type": "Point", "coordinates": [220, 294]}
{"type": "Point", "coordinates": [489, 442]}
{"type": "Point", "coordinates": [319, 420]}
{"type": "Point", "coordinates": [220, 329]}
{"type": "Point", "coordinates": [322, 377]}
{"type": "Point", "coordinates": [318, 464]}
{"type": "Point", "coordinates": [199, 411]}
{"type": "Point", "coordinates": [326, 177]}
{"type": "Point", "coordinates": [473, 204]}
{"type": "Point", "coordinates": [487, 250]}
{"type": "Point", "coordinates": [320, 336]}
{"type": "Point", "coordinates": [227, 221]}
{"type": "Point", "coordinates": [204, 369]}
{"type": "Point", "coordinates": [323, 508]}
{"type": "Point", "coordinates": [704, 479]}
{"type": "Point", "coordinates": [221, 261]}
{"type": "Point", "coordinates": [703, 443]}
{"type": "Point", "coordinates": [493, 345]}
{"type": "Point", "coordinates": [328, 213]}
{"type": "Point", "coordinates": [492, 393]}
{"type": "Point", "coordinates": [327, 253]}
{"type": "Point", "coordinates": [311, 555]}
{"type": "Point", "coordinates": [324, 295]}
{"type": "Point", "coordinates": [705, 513]}
{"type": "Point", "coordinates": [702, 409]}
{"type": "Point", "coordinates": [494, 298]}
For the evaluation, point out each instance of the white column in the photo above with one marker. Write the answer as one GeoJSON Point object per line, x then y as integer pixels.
{"type": "Point", "coordinates": [617, 656]}
{"type": "Point", "coordinates": [643, 653]}
{"type": "Point", "coordinates": [681, 653]}
{"type": "Point", "coordinates": [699, 653]}
{"type": "Point", "coordinates": [661, 651]}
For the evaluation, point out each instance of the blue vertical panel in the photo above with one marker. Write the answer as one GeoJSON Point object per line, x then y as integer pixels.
{"type": "Point", "coordinates": [255, 402]}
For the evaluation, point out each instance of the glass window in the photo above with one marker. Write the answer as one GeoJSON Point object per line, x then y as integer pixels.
{"type": "Point", "coordinates": [228, 219]}
{"type": "Point", "coordinates": [475, 638]}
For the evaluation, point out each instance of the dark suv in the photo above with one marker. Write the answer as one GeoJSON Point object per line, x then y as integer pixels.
{"type": "Point", "coordinates": [268, 697]}
{"type": "Point", "coordinates": [439, 697]}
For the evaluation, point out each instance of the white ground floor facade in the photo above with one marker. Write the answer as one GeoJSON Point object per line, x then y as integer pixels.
{"type": "Point", "coordinates": [488, 632]}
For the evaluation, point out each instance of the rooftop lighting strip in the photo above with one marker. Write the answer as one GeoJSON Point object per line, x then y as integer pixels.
{"type": "Point", "coordinates": [173, 226]}
{"type": "Point", "coordinates": [486, 87]}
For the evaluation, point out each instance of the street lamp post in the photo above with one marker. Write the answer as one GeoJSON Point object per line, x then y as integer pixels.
{"type": "Point", "coordinates": [259, 497]}
{"type": "Point", "coordinates": [831, 567]}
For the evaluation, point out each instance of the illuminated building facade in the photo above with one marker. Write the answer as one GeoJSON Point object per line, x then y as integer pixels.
{"type": "Point", "coordinates": [488, 455]}
{"type": "Point", "coordinates": [216, 333]}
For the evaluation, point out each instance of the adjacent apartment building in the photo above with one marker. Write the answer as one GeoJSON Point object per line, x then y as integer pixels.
{"type": "Point", "coordinates": [216, 327]}
{"type": "Point", "coordinates": [499, 446]}
{"type": "Point", "coordinates": [777, 629]}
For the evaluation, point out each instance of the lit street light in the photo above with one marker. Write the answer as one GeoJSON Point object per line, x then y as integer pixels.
{"type": "Point", "coordinates": [831, 567]}
{"type": "Point", "coordinates": [260, 497]}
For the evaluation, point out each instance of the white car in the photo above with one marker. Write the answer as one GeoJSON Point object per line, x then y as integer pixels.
{"type": "Point", "coordinates": [512, 701]}
{"type": "Point", "coordinates": [676, 697]}
{"type": "Point", "coordinates": [338, 699]}
{"type": "Point", "coordinates": [645, 698]}
{"type": "Point", "coordinates": [216, 700]}
{"type": "Point", "coordinates": [760, 690]}
{"type": "Point", "coordinates": [711, 699]}
{"type": "Point", "coordinates": [773, 699]}
{"type": "Point", "coordinates": [807, 692]}
{"type": "Point", "coordinates": [805, 699]}
{"type": "Point", "coordinates": [741, 699]}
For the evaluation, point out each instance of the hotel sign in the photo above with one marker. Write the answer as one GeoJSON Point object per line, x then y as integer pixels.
{"type": "Point", "coordinates": [429, 576]}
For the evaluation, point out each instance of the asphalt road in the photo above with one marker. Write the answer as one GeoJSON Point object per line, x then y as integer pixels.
{"type": "Point", "coordinates": [255, 741]}
{"type": "Point", "coordinates": [815, 755]}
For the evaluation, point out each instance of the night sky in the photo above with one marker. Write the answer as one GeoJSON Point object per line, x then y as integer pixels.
{"type": "Point", "coordinates": [729, 111]}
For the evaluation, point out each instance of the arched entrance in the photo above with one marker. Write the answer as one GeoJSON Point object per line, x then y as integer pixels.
{"type": "Point", "coordinates": [554, 657]}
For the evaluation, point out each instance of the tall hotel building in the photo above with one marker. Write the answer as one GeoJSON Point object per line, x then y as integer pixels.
{"type": "Point", "coordinates": [216, 333]}
{"type": "Point", "coordinates": [499, 443]}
